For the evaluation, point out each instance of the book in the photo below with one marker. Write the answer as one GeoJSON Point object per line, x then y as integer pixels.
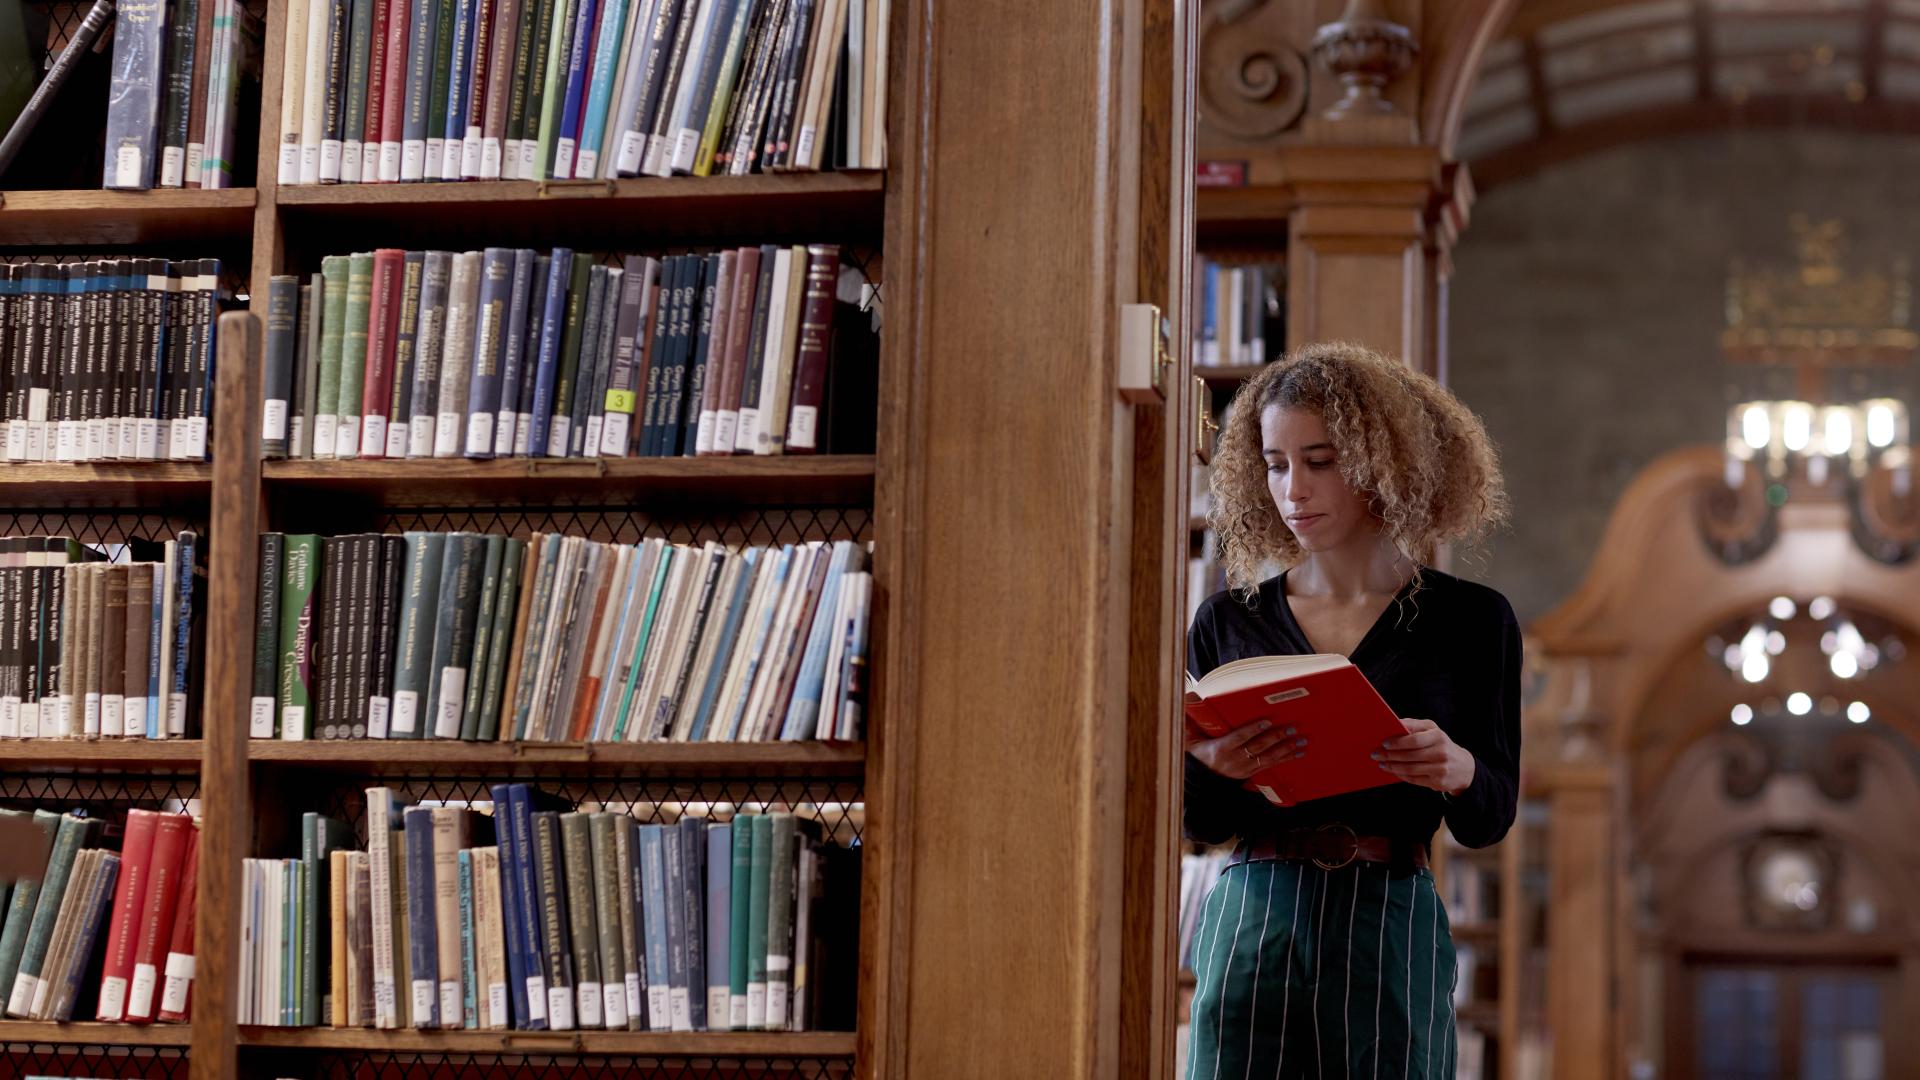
{"type": "Point", "coordinates": [1323, 697]}
{"type": "Point", "coordinates": [134, 93]}
{"type": "Point", "coordinates": [262, 722]}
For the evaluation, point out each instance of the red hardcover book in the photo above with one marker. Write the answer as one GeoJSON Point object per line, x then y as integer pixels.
{"type": "Point", "coordinates": [156, 915]}
{"type": "Point", "coordinates": [1321, 696]}
{"type": "Point", "coordinates": [383, 336]}
{"type": "Point", "coordinates": [393, 87]}
{"type": "Point", "coordinates": [129, 894]}
{"type": "Point", "coordinates": [176, 999]}
{"type": "Point", "coordinates": [376, 90]}
{"type": "Point", "coordinates": [810, 359]}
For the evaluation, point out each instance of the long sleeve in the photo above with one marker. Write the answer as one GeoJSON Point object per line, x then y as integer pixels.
{"type": "Point", "coordinates": [1216, 809]}
{"type": "Point", "coordinates": [1479, 816]}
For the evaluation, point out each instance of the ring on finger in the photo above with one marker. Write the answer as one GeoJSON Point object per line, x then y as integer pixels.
{"type": "Point", "coordinates": [1248, 751]}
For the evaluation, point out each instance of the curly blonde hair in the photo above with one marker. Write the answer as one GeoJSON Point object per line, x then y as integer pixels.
{"type": "Point", "coordinates": [1422, 457]}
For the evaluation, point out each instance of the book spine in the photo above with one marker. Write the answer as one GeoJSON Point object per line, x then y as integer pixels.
{"type": "Point", "coordinates": [443, 13]}
{"type": "Point", "coordinates": [419, 91]}
{"type": "Point", "coordinates": [491, 957]}
{"type": "Point", "coordinates": [457, 358]}
{"type": "Point", "coordinates": [383, 336]}
{"type": "Point", "coordinates": [171, 837]}
{"type": "Point", "coordinates": [353, 354]}
{"type": "Point", "coordinates": [758, 916]}
{"type": "Point", "coordinates": [513, 362]}
{"type": "Point", "coordinates": [136, 852]}
{"type": "Point", "coordinates": [405, 355]}
{"type": "Point", "coordinates": [533, 80]}
{"type": "Point", "coordinates": [546, 366]}
{"type": "Point", "coordinates": [550, 879]}
{"type": "Point", "coordinates": [607, 323]}
{"type": "Point", "coordinates": [750, 19]}
{"type": "Point", "coordinates": [429, 346]}
{"type": "Point", "coordinates": [266, 638]}
{"type": "Point", "coordinates": [653, 878]}
{"type": "Point", "coordinates": [779, 919]}
{"type": "Point", "coordinates": [449, 835]}
{"type": "Point", "coordinates": [393, 93]}
{"type": "Point", "coordinates": [623, 375]}
{"type": "Point", "coordinates": [507, 19]}
{"type": "Point", "coordinates": [739, 917]}
{"type": "Point", "coordinates": [283, 295]}
{"type": "Point", "coordinates": [632, 937]}
{"type": "Point", "coordinates": [139, 45]}
{"type": "Point", "coordinates": [333, 322]}
{"type": "Point", "coordinates": [583, 432]}
{"type": "Point", "coordinates": [339, 937]}
{"type": "Point", "coordinates": [683, 437]}
{"type": "Point", "coordinates": [139, 648]}
{"type": "Point", "coordinates": [453, 128]}
{"type": "Point", "coordinates": [493, 552]}
{"type": "Point", "coordinates": [422, 939]}
{"type": "Point", "coordinates": [566, 15]}
{"type": "Point", "coordinates": [484, 388]}
{"type": "Point", "coordinates": [704, 67]}
{"type": "Point", "coordinates": [577, 857]}
{"type": "Point", "coordinates": [815, 343]}
{"type": "Point", "coordinates": [393, 561]}
{"type": "Point", "coordinates": [703, 408]}
{"type": "Point", "coordinates": [567, 362]}
{"type": "Point", "coordinates": [468, 895]}
{"type": "Point", "coordinates": [607, 921]}
{"type": "Point", "coordinates": [297, 612]}
{"type": "Point", "coordinates": [420, 592]}
{"type": "Point", "coordinates": [531, 925]}
{"type": "Point", "coordinates": [513, 995]}
{"type": "Point", "coordinates": [446, 673]}
{"type": "Point", "coordinates": [176, 995]}
{"type": "Point", "coordinates": [293, 81]}
{"type": "Point", "coordinates": [354, 135]}
{"type": "Point", "coordinates": [719, 915]}
{"type": "Point", "coordinates": [501, 638]}
{"type": "Point", "coordinates": [307, 378]}
{"type": "Point", "coordinates": [579, 56]}
{"type": "Point", "coordinates": [480, 48]}
{"type": "Point", "coordinates": [602, 74]}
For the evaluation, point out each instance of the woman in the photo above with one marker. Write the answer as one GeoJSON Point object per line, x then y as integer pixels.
{"type": "Point", "coordinates": [1322, 951]}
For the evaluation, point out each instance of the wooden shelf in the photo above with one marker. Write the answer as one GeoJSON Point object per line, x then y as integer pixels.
{"type": "Point", "coordinates": [107, 484]}
{"type": "Point", "coordinates": [1242, 218]}
{"type": "Point", "coordinates": [411, 757]}
{"type": "Point", "coordinates": [91, 218]}
{"type": "Point", "coordinates": [755, 1044]}
{"type": "Point", "coordinates": [91, 1033]}
{"type": "Point", "coordinates": [101, 754]}
{"type": "Point", "coordinates": [1226, 375]}
{"type": "Point", "coordinates": [781, 207]}
{"type": "Point", "coordinates": [825, 480]}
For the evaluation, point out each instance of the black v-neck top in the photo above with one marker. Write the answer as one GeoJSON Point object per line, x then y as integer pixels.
{"type": "Point", "coordinates": [1448, 651]}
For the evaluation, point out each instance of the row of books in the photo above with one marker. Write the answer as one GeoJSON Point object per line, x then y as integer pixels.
{"type": "Point", "coordinates": [535, 916]}
{"type": "Point", "coordinates": [1238, 308]}
{"type": "Point", "coordinates": [506, 352]}
{"type": "Point", "coordinates": [379, 91]}
{"type": "Point", "coordinates": [94, 649]}
{"type": "Point", "coordinates": [465, 636]}
{"type": "Point", "coordinates": [54, 961]}
{"type": "Point", "coordinates": [108, 359]}
{"type": "Point", "coordinates": [174, 96]}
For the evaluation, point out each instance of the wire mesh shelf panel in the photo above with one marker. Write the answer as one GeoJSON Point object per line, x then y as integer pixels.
{"type": "Point", "coordinates": [628, 525]}
{"type": "Point", "coordinates": [411, 1066]}
{"type": "Point", "coordinates": [105, 795]}
{"type": "Point", "coordinates": [107, 530]}
{"type": "Point", "coordinates": [19, 1060]}
{"type": "Point", "coordinates": [835, 803]}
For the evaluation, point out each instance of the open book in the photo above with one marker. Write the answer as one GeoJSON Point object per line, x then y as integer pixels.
{"type": "Point", "coordinates": [1324, 698]}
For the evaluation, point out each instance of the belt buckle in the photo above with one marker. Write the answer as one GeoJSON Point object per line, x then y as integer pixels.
{"type": "Point", "coordinates": [1353, 847]}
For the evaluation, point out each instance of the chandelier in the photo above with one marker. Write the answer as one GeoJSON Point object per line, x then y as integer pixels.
{"type": "Point", "coordinates": [1817, 355]}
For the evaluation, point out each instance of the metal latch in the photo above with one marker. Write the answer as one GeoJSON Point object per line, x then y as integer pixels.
{"type": "Point", "coordinates": [1146, 353]}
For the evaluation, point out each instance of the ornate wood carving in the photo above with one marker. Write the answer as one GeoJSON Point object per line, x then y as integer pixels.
{"type": "Point", "coordinates": [1252, 81]}
{"type": "Point", "coordinates": [1365, 50]}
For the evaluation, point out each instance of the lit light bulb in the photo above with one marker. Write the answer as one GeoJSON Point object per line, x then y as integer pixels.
{"type": "Point", "coordinates": [1859, 713]}
{"type": "Point", "coordinates": [1844, 665]}
{"type": "Point", "coordinates": [1821, 607]}
{"type": "Point", "coordinates": [1781, 608]}
{"type": "Point", "coordinates": [1839, 432]}
{"type": "Point", "coordinates": [1796, 427]}
{"type": "Point", "coordinates": [1755, 427]}
{"type": "Point", "coordinates": [1742, 714]}
{"type": "Point", "coordinates": [1799, 704]}
{"type": "Point", "coordinates": [1776, 643]}
{"type": "Point", "coordinates": [1880, 426]}
{"type": "Point", "coordinates": [1754, 666]}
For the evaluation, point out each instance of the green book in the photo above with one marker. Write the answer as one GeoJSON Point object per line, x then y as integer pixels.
{"type": "Point", "coordinates": [333, 322]}
{"type": "Point", "coordinates": [320, 836]}
{"type": "Point", "coordinates": [742, 903]}
{"type": "Point", "coordinates": [609, 918]}
{"type": "Point", "coordinates": [779, 918]}
{"type": "Point", "coordinates": [359, 52]}
{"type": "Point", "coordinates": [550, 892]}
{"type": "Point", "coordinates": [353, 353]}
{"type": "Point", "coordinates": [413, 650]}
{"type": "Point", "coordinates": [73, 834]}
{"type": "Point", "coordinates": [442, 13]}
{"type": "Point", "coordinates": [761, 884]}
{"type": "Point", "coordinates": [576, 855]}
{"type": "Point", "coordinates": [517, 88]}
{"type": "Point", "coordinates": [553, 99]}
{"type": "Point", "coordinates": [495, 551]}
{"type": "Point", "coordinates": [454, 621]}
{"type": "Point", "coordinates": [535, 83]}
{"type": "Point", "coordinates": [26, 896]}
{"type": "Point", "coordinates": [299, 580]}
{"type": "Point", "coordinates": [560, 436]}
{"type": "Point", "coordinates": [506, 606]}
{"type": "Point", "coordinates": [626, 875]}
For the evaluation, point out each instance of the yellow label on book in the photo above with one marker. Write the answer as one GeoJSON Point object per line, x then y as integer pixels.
{"type": "Point", "coordinates": [620, 401]}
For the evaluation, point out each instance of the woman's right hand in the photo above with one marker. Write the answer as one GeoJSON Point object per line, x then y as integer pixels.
{"type": "Point", "coordinates": [1246, 750]}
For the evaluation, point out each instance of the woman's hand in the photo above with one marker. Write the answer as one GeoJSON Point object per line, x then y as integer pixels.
{"type": "Point", "coordinates": [1427, 757]}
{"type": "Point", "coordinates": [1246, 750]}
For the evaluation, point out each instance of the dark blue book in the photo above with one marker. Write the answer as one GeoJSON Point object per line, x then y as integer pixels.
{"type": "Point", "coordinates": [489, 337]}
{"type": "Point", "coordinates": [186, 561]}
{"type": "Point", "coordinates": [513, 351]}
{"type": "Point", "coordinates": [680, 350]}
{"type": "Point", "coordinates": [673, 858]}
{"type": "Point", "coordinates": [719, 901]}
{"type": "Point", "coordinates": [693, 859]}
{"type": "Point", "coordinates": [134, 93]}
{"type": "Point", "coordinates": [671, 270]}
{"type": "Point", "coordinates": [696, 377]}
{"type": "Point", "coordinates": [553, 324]}
{"type": "Point", "coordinates": [420, 46]}
{"type": "Point", "coordinates": [423, 936]}
{"type": "Point", "coordinates": [566, 139]}
{"type": "Point", "coordinates": [454, 132]}
{"type": "Point", "coordinates": [582, 405]}
{"type": "Point", "coordinates": [512, 903]}
{"type": "Point", "coordinates": [530, 355]}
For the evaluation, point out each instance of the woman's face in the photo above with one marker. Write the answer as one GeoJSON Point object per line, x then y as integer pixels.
{"type": "Point", "coordinates": [1303, 475]}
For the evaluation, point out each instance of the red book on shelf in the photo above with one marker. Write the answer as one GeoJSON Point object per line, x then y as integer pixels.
{"type": "Point", "coordinates": [156, 914]}
{"type": "Point", "coordinates": [176, 998]}
{"type": "Point", "coordinates": [1321, 696]}
{"type": "Point", "coordinates": [383, 336]}
{"type": "Point", "coordinates": [376, 93]}
{"type": "Point", "coordinates": [393, 87]}
{"type": "Point", "coordinates": [810, 361]}
{"type": "Point", "coordinates": [129, 895]}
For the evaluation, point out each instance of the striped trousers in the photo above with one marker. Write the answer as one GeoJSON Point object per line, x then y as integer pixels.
{"type": "Point", "coordinates": [1309, 974]}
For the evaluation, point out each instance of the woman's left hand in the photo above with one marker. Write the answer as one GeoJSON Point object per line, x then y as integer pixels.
{"type": "Point", "coordinates": [1427, 757]}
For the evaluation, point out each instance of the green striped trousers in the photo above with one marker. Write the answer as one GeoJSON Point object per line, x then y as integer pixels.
{"type": "Point", "coordinates": [1309, 974]}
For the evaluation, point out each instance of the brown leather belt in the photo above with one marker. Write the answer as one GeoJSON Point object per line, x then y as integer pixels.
{"type": "Point", "coordinates": [1331, 847]}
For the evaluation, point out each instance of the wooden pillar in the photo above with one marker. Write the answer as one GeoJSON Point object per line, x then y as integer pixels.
{"type": "Point", "coordinates": [1367, 246]}
{"type": "Point", "coordinates": [1015, 164]}
{"type": "Point", "coordinates": [1580, 917]}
